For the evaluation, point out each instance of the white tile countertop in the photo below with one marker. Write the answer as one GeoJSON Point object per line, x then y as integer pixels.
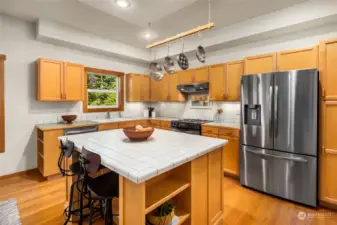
{"type": "Point", "coordinates": [141, 161]}
{"type": "Point", "coordinates": [116, 120]}
{"type": "Point", "coordinates": [224, 124]}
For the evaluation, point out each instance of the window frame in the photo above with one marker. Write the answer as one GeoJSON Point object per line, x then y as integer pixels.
{"type": "Point", "coordinates": [120, 90]}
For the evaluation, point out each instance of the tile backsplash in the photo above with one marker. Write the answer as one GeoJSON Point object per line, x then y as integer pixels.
{"type": "Point", "coordinates": [231, 111]}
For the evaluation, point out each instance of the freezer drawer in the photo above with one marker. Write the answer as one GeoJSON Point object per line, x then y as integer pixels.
{"type": "Point", "coordinates": [289, 176]}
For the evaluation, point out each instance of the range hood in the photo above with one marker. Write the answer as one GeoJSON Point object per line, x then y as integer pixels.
{"type": "Point", "coordinates": [197, 88]}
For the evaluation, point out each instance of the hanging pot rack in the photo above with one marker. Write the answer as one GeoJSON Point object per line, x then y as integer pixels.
{"type": "Point", "coordinates": [182, 35]}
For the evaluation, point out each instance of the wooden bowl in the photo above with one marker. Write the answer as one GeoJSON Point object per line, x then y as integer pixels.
{"type": "Point", "coordinates": [135, 135]}
{"type": "Point", "coordinates": [69, 118]}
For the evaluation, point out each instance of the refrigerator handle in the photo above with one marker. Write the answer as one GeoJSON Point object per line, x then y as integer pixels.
{"type": "Point", "coordinates": [276, 111]}
{"type": "Point", "coordinates": [270, 111]}
{"type": "Point", "coordinates": [296, 159]}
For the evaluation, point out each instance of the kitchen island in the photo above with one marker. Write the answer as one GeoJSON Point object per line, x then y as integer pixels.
{"type": "Point", "coordinates": [185, 169]}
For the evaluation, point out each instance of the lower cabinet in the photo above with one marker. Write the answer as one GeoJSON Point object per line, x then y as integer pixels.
{"type": "Point", "coordinates": [231, 159]}
{"type": "Point", "coordinates": [231, 155]}
{"type": "Point", "coordinates": [48, 151]}
{"type": "Point", "coordinates": [328, 153]}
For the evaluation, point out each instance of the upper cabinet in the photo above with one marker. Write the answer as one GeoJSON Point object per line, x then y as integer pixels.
{"type": "Point", "coordinates": [298, 59]}
{"type": "Point", "coordinates": [217, 88]}
{"type": "Point", "coordinates": [201, 75]}
{"type": "Point", "coordinates": [160, 89]}
{"type": "Point", "coordinates": [234, 71]}
{"type": "Point", "coordinates": [328, 69]}
{"type": "Point", "coordinates": [187, 76]}
{"type": "Point", "coordinates": [137, 88]}
{"type": "Point", "coordinates": [265, 63]}
{"type": "Point", "coordinates": [59, 81]}
{"type": "Point", "coordinates": [174, 94]}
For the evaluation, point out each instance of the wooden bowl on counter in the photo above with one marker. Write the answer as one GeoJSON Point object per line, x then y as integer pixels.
{"type": "Point", "coordinates": [69, 118]}
{"type": "Point", "coordinates": [138, 135]}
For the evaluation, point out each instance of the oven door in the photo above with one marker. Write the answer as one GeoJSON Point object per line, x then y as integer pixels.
{"type": "Point", "coordinates": [289, 176]}
{"type": "Point", "coordinates": [187, 131]}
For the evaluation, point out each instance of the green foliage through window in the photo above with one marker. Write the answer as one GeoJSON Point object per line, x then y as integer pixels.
{"type": "Point", "coordinates": [102, 90]}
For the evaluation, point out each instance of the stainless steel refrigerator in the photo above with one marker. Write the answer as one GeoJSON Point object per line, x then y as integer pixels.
{"type": "Point", "coordinates": [279, 119]}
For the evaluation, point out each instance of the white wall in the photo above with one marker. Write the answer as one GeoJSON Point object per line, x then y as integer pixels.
{"type": "Point", "coordinates": [17, 42]}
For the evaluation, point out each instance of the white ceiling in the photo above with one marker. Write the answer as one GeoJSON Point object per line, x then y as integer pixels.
{"type": "Point", "coordinates": [168, 17]}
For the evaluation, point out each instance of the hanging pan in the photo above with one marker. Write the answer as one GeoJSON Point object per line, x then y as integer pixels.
{"type": "Point", "coordinates": [156, 70]}
{"type": "Point", "coordinates": [168, 62]}
{"type": "Point", "coordinates": [182, 59]}
{"type": "Point", "coordinates": [201, 53]}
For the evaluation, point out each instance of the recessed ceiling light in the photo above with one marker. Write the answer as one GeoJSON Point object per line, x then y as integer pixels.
{"type": "Point", "coordinates": [147, 35]}
{"type": "Point", "coordinates": [123, 3]}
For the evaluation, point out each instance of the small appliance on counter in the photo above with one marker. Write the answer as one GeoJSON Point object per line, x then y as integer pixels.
{"type": "Point", "coordinates": [145, 113]}
{"type": "Point", "coordinates": [151, 110]}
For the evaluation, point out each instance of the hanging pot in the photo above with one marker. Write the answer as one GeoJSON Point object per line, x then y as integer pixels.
{"type": "Point", "coordinates": [169, 63]}
{"type": "Point", "coordinates": [201, 54]}
{"type": "Point", "coordinates": [182, 59]}
{"type": "Point", "coordinates": [156, 71]}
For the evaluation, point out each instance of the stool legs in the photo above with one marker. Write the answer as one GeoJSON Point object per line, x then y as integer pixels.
{"type": "Point", "coordinates": [108, 212]}
{"type": "Point", "coordinates": [70, 203]}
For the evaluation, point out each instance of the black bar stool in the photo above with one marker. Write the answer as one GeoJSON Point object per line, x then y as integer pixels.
{"type": "Point", "coordinates": [75, 169]}
{"type": "Point", "coordinates": [104, 187]}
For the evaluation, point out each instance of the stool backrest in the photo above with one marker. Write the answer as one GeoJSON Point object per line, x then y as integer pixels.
{"type": "Point", "coordinates": [91, 161]}
{"type": "Point", "coordinates": [66, 151]}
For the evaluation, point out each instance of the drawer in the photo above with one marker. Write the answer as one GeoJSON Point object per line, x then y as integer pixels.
{"type": "Point", "coordinates": [142, 122]}
{"type": "Point", "coordinates": [127, 124]}
{"type": "Point", "coordinates": [108, 126]}
{"type": "Point", "coordinates": [155, 123]}
{"type": "Point", "coordinates": [166, 124]}
{"type": "Point", "coordinates": [210, 130]}
{"type": "Point", "coordinates": [229, 132]}
{"type": "Point", "coordinates": [210, 135]}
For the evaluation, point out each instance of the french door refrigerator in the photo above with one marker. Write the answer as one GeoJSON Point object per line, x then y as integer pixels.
{"type": "Point", "coordinates": [278, 142]}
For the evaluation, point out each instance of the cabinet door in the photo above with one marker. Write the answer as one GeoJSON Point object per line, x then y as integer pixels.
{"type": "Point", "coordinates": [201, 74]}
{"type": "Point", "coordinates": [50, 79]}
{"type": "Point", "coordinates": [164, 86]}
{"type": "Point", "coordinates": [133, 87]}
{"type": "Point", "coordinates": [145, 88]}
{"type": "Point", "coordinates": [328, 154]}
{"type": "Point", "coordinates": [298, 59]}
{"type": "Point", "coordinates": [215, 182]}
{"type": "Point", "coordinates": [217, 90]}
{"type": "Point", "coordinates": [328, 69]}
{"type": "Point", "coordinates": [234, 71]}
{"type": "Point", "coordinates": [51, 152]}
{"type": "Point", "coordinates": [231, 155]}
{"type": "Point", "coordinates": [260, 64]}
{"type": "Point", "coordinates": [155, 90]}
{"type": "Point", "coordinates": [73, 81]}
{"type": "Point", "coordinates": [187, 76]}
{"type": "Point", "coordinates": [174, 94]}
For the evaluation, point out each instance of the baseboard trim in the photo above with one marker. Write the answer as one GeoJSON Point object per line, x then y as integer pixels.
{"type": "Point", "coordinates": [18, 174]}
{"type": "Point", "coordinates": [328, 205]}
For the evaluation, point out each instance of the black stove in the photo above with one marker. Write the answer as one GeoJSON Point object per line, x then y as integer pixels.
{"type": "Point", "coordinates": [190, 126]}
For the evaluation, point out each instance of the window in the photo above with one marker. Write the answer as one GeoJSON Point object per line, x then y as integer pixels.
{"type": "Point", "coordinates": [104, 91]}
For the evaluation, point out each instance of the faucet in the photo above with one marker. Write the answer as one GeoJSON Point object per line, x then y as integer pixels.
{"type": "Point", "coordinates": [108, 115]}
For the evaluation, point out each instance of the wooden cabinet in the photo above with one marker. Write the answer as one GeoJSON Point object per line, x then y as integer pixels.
{"type": "Point", "coordinates": [59, 81]}
{"type": "Point", "coordinates": [298, 59]}
{"type": "Point", "coordinates": [48, 151]}
{"type": "Point", "coordinates": [160, 89]}
{"type": "Point", "coordinates": [328, 153]}
{"type": "Point", "coordinates": [265, 63]}
{"type": "Point", "coordinates": [234, 71]}
{"type": "Point", "coordinates": [231, 159]}
{"type": "Point", "coordinates": [186, 76]}
{"type": "Point", "coordinates": [201, 75]}
{"type": "Point", "coordinates": [174, 94]}
{"type": "Point", "coordinates": [217, 88]}
{"type": "Point", "coordinates": [231, 155]}
{"type": "Point", "coordinates": [108, 126]}
{"type": "Point", "coordinates": [137, 88]}
{"type": "Point", "coordinates": [328, 69]}
{"type": "Point", "coordinates": [127, 124]}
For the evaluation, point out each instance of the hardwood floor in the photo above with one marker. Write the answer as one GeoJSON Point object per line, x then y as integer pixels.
{"type": "Point", "coordinates": [42, 202]}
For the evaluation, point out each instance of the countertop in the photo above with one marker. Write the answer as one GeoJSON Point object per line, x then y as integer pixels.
{"type": "Point", "coordinates": [57, 126]}
{"type": "Point", "coordinates": [224, 124]}
{"type": "Point", "coordinates": [141, 161]}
